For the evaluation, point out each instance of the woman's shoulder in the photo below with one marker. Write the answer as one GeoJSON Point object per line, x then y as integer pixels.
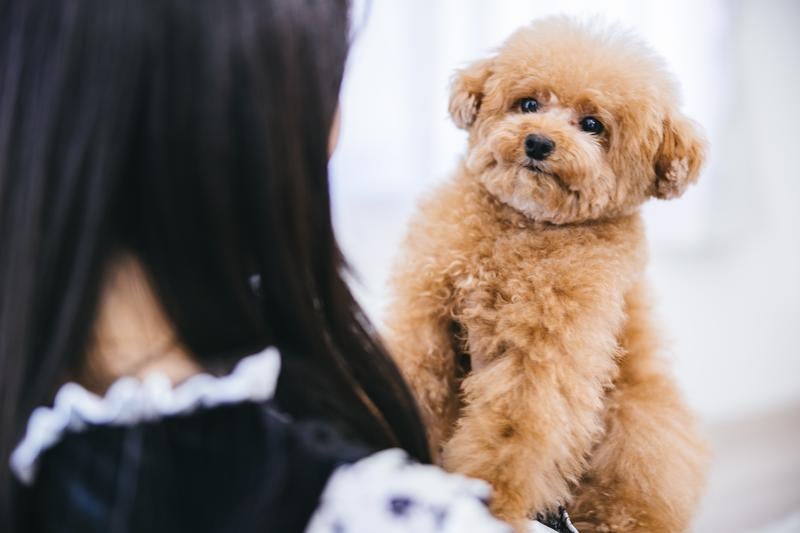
{"type": "Point", "coordinates": [130, 401]}
{"type": "Point", "coordinates": [211, 454]}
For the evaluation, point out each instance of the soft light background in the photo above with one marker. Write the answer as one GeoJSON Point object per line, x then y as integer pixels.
{"type": "Point", "coordinates": [725, 258]}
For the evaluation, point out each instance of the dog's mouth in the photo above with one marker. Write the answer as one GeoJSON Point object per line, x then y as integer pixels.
{"type": "Point", "coordinates": [536, 167]}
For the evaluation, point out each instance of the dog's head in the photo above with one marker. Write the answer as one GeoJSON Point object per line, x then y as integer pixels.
{"type": "Point", "coordinates": [570, 123]}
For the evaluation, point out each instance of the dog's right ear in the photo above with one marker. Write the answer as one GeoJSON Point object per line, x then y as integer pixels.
{"type": "Point", "coordinates": [466, 92]}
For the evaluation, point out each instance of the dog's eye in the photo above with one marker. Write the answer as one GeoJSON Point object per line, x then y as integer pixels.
{"type": "Point", "coordinates": [528, 105]}
{"type": "Point", "coordinates": [592, 125]}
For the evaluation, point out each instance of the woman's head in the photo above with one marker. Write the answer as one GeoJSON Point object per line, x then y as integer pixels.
{"type": "Point", "coordinates": [193, 135]}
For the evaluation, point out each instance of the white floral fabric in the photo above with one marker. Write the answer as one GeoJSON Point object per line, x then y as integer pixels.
{"type": "Point", "coordinates": [387, 493]}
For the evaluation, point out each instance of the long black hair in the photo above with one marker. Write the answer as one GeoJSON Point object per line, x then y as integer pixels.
{"type": "Point", "coordinates": [192, 134]}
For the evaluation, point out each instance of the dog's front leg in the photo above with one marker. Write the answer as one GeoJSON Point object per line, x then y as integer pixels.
{"type": "Point", "coordinates": [647, 473]}
{"type": "Point", "coordinates": [532, 412]}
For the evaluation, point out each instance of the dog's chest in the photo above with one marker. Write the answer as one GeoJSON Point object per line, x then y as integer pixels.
{"type": "Point", "coordinates": [508, 269]}
{"type": "Point", "coordinates": [506, 287]}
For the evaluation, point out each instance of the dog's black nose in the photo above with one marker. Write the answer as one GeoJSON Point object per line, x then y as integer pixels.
{"type": "Point", "coordinates": [538, 147]}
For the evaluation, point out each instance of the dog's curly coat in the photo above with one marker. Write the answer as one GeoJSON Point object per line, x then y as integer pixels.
{"type": "Point", "coordinates": [519, 313]}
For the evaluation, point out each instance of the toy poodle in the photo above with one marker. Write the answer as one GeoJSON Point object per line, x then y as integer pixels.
{"type": "Point", "coordinates": [519, 312]}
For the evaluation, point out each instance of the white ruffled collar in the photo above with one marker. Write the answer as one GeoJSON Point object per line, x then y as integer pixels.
{"type": "Point", "coordinates": [130, 401]}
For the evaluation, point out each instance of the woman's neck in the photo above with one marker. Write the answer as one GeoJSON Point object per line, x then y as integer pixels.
{"type": "Point", "coordinates": [132, 335]}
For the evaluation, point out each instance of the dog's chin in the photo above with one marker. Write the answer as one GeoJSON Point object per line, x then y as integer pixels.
{"type": "Point", "coordinates": [527, 187]}
{"type": "Point", "coordinates": [516, 189]}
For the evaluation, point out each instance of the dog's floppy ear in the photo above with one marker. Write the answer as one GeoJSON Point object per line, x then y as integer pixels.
{"type": "Point", "coordinates": [679, 157]}
{"type": "Point", "coordinates": [467, 91]}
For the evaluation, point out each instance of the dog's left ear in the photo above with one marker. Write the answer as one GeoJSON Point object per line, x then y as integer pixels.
{"type": "Point", "coordinates": [679, 157]}
{"type": "Point", "coordinates": [466, 92]}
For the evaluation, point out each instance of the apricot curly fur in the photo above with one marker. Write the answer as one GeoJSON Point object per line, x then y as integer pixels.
{"type": "Point", "coordinates": [519, 313]}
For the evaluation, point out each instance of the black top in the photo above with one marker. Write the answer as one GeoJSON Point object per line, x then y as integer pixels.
{"type": "Point", "coordinates": [240, 468]}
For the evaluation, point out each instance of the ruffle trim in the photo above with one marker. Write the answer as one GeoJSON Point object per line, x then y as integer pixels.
{"type": "Point", "coordinates": [130, 401]}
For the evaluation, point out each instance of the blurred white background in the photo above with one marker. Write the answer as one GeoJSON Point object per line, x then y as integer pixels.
{"type": "Point", "coordinates": [725, 258]}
